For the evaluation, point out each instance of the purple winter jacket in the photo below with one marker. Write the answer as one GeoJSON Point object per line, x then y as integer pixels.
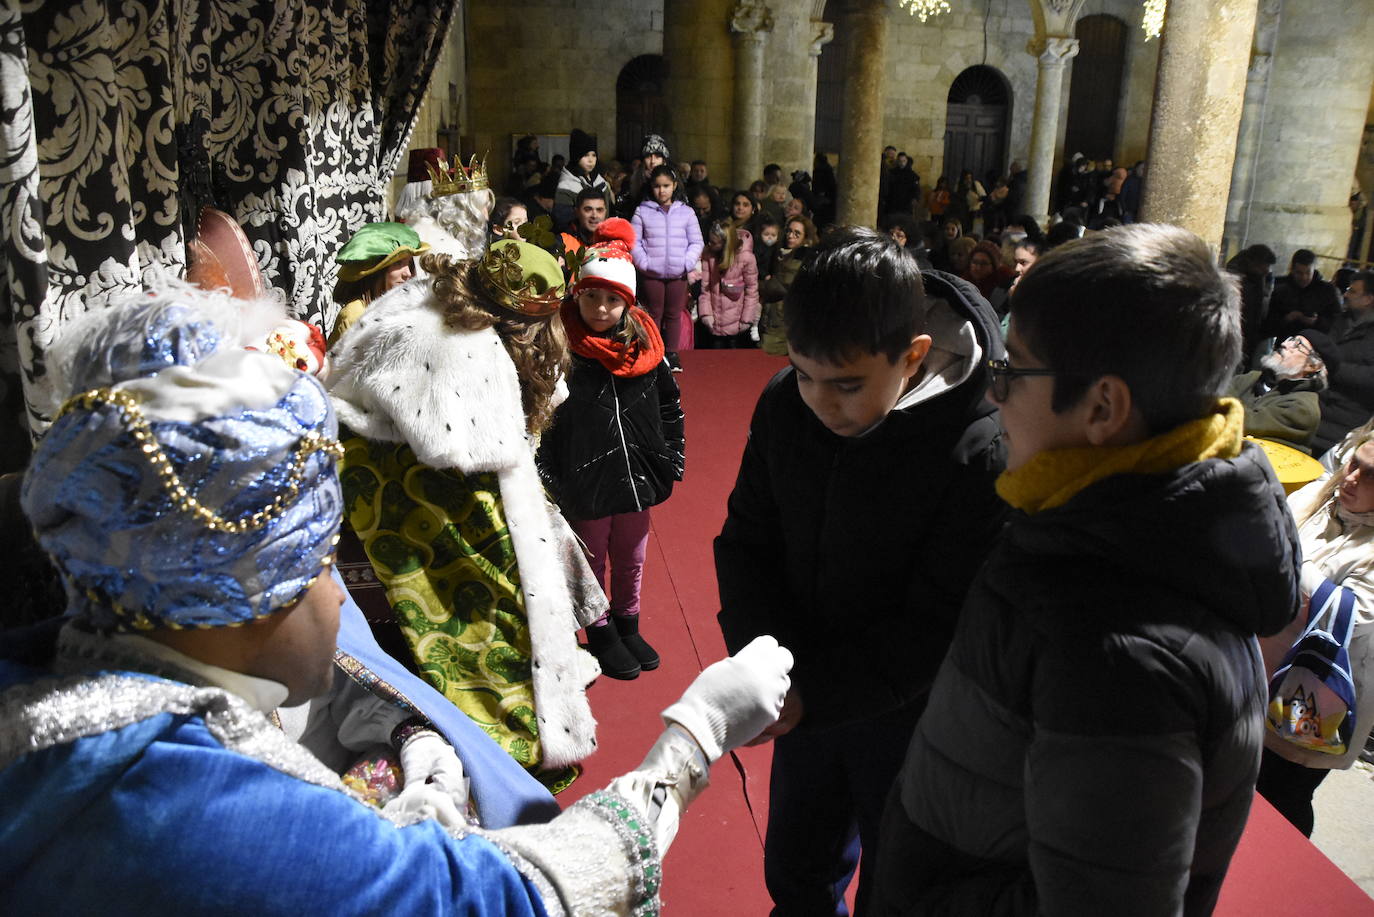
{"type": "Point", "coordinates": [667, 242]}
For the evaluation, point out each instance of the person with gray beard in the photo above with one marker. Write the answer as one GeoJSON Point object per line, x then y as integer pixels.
{"type": "Point", "coordinates": [1281, 398]}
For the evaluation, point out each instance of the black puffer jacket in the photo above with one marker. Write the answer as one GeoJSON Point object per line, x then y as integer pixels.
{"type": "Point", "coordinates": [856, 552]}
{"type": "Point", "coordinates": [616, 444]}
{"type": "Point", "coordinates": [1091, 743]}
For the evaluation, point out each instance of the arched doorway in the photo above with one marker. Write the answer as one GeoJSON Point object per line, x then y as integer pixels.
{"type": "Point", "coordinates": [830, 85]}
{"type": "Point", "coordinates": [639, 105]}
{"type": "Point", "coordinates": [976, 119]}
{"type": "Point", "coordinates": [1095, 88]}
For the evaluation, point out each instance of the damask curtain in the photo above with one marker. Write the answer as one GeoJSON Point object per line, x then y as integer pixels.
{"type": "Point", "coordinates": [120, 118]}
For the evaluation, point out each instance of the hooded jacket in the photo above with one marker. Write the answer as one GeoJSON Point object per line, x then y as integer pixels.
{"type": "Point", "coordinates": [667, 239]}
{"type": "Point", "coordinates": [1105, 660]}
{"type": "Point", "coordinates": [856, 552]}
{"type": "Point", "coordinates": [731, 296]}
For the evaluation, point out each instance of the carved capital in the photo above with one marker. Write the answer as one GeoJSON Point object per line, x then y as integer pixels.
{"type": "Point", "coordinates": [1054, 50]}
{"type": "Point", "coordinates": [751, 19]}
{"type": "Point", "coordinates": [822, 33]}
{"type": "Point", "coordinates": [1055, 17]}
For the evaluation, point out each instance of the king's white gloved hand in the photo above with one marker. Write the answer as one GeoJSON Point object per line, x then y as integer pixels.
{"type": "Point", "coordinates": [735, 699]}
{"type": "Point", "coordinates": [754, 332]}
{"type": "Point", "coordinates": [673, 774]}
{"type": "Point", "coordinates": [435, 785]}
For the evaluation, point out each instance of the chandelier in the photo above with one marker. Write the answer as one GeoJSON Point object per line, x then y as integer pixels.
{"type": "Point", "coordinates": [1152, 20]}
{"type": "Point", "coordinates": [924, 9]}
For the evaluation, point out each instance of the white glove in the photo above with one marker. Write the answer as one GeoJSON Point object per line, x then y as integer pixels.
{"type": "Point", "coordinates": [708, 320]}
{"type": "Point", "coordinates": [435, 786]}
{"type": "Point", "coordinates": [735, 699]}
{"type": "Point", "coordinates": [754, 332]}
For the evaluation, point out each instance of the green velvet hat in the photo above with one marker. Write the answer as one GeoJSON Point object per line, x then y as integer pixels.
{"type": "Point", "coordinates": [522, 277]}
{"type": "Point", "coordinates": [376, 247]}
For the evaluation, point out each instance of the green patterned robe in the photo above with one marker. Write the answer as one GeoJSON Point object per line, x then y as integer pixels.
{"type": "Point", "coordinates": [438, 541]}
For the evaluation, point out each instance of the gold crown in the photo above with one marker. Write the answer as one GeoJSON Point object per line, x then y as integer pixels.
{"type": "Point", "coordinates": [458, 178]}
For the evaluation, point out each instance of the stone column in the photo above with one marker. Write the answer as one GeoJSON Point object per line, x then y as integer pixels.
{"type": "Point", "coordinates": [1198, 97]}
{"type": "Point", "coordinates": [750, 21]}
{"type": "Point", "coordinates": [862, 145]}
{"type": "Point", "coordinates": [1314, 121]}
{"type": "Point", "coordinates": [699, 90]}
{"type": "Point", "coordinates": [1251, 124]}
{"type": "Point", "coordinates": [822, 33]}
{"type": "Point", "coordinates": [1054, 53]}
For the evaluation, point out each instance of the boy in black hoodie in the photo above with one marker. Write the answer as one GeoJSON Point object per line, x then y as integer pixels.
{"type": "Point", "coordinates": [864, 505]}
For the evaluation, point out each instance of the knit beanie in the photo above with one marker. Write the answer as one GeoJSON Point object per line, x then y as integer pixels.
{"type": "Point", "coordinates": [580, 143]}
{"type": "Point", "coordinates": [607, 263]}
{"type": "Point", "coordinates": [653, 144]}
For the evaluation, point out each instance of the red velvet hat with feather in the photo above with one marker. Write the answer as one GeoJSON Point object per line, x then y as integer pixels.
{"type": "Point", "coordinates": [607, 263]}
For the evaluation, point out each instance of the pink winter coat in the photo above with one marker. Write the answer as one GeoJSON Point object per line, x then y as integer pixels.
{"type": "Point", "coordinates": [667, 240]}
{"type": "Point", "coordinates": [732, 298]}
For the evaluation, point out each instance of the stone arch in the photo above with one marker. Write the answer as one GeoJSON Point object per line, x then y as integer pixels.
{"type": "Point", "coordinates": [978, 113]}
{"type": "Point", "coordinates": [640, 106]}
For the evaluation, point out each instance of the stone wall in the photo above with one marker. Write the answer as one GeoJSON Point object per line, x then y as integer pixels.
{"type": "Point", "coordinates": [700, 89]}
{"type": "Point", "coordinates": [790, 94]}
{"type": "Point", "coordinates": [925, 58]}
{"type": "Point", "coordinates": [1314, 118]}
{"type": "Point", "coordinates": [547, 67]}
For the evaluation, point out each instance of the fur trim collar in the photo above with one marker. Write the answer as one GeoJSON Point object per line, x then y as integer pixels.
{"type": "Point", "coordinates": [401, 375]}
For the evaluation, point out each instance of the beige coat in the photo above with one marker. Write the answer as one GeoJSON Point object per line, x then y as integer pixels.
{"type": "Point", "coordinates": [1343, 554]}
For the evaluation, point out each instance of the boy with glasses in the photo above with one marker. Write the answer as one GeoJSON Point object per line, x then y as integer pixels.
{"type": "Point", "coordinates": [1091, 742]}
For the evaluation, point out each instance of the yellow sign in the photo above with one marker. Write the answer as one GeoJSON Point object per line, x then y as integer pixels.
{"type": "Point", "coordinates": [1293, 468]}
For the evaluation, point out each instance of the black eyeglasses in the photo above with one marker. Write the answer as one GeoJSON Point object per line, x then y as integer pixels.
{"type": "Point", "coordinates": [1002, 374]}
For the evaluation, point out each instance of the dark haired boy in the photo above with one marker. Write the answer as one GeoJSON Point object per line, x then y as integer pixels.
{"type": "Point", "coordinates": [1091, 742]}
{"type": "Point", "coordinates": [863, 506]}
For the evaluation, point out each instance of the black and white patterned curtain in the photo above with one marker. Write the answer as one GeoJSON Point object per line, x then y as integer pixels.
{"type": "Point", "coordinates": [120, 118]}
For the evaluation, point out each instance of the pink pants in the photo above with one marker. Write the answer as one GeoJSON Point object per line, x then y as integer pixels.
{"type": "Point", "coordinates": [621, 539]}
{"type": "Point", "coordinates": [666, 303]}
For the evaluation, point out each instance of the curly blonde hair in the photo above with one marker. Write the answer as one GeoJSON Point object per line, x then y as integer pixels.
{"type": "Point", "coordinates": [537, 346]}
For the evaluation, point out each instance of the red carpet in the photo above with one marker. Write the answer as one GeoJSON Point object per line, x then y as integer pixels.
{"type": "Point", "coordinates": [716, 864]}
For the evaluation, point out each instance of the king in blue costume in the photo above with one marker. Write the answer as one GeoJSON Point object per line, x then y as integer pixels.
{"type": "Point", "coordinates": [187, 493]}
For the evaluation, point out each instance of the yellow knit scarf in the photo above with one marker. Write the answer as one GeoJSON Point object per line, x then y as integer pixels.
{"type": "Point", "coordinates": [1051, 478]}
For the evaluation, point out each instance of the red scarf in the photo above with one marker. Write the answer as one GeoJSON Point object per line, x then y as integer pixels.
{"type": "Point", "coordinates": [619, 358]}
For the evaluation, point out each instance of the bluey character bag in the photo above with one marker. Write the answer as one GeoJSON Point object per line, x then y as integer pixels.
{"type": "Point", "coordinates": [1312, 694]}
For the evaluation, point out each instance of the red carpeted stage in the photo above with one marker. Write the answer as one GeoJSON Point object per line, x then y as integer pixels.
{"type": "Point", "coordinates": [716, 864]}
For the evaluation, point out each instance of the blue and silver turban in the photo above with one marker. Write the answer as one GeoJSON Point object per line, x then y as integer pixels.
{"type": "Point", "coordinates": [186, 482]}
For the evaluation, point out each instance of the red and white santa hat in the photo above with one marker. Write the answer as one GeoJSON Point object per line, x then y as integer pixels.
{"type": "Point", "coordinates": [608, 263]}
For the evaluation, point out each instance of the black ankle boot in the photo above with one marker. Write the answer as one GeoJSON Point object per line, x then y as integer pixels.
{"type": "Point", "coordinates": [628, 626]}
{"type": "Point", "coordinates": [614, 656]}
